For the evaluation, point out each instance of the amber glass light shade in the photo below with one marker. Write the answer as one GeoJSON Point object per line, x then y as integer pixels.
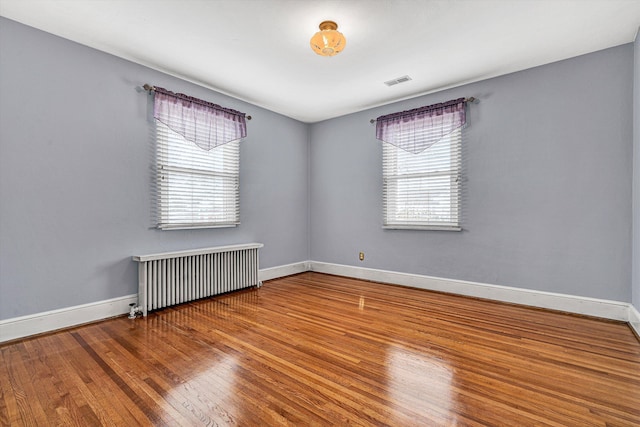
{"type": "Point", "coordinates": [328, 41]}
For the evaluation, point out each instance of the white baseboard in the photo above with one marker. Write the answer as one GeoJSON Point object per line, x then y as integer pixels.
{"type": "Point", "coordinates": [283, 270]}
{"type": "Point", "coordinates": [607, 309]}
{"type": "Point", "coordinates": [634, 319]}
{"type": "Point", "coordinates": [38, 323]}
{"type": "Point", "coordinates": [20, 327]}
{"type": "Point", "coordinates": [33, 324]}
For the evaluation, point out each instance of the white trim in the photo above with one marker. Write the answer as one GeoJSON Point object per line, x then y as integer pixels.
{"type": "Point", "coordinates": [423, 227]}
{"type": "Point", "coordinates": [192, 252]}
{"type": "Point", "coordinates": [607, 309]}
{"type": "Point", "coordinates": [20, 327]}
{"type": "Point", "coordinates": [283, 270]}
{"type": "Point", "coordinates": [38, 323]}
{"type": "Point", "coordinates": [634, 319]}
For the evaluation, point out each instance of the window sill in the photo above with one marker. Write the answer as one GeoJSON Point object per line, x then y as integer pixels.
{"type": "Point", "coordinates": [422, 227]}
{"type": "Point", "coordinates": [194, 227]}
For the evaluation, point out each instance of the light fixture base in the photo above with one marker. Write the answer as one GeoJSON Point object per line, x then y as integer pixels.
{"type": "Point", "coordinates": [328, 25]}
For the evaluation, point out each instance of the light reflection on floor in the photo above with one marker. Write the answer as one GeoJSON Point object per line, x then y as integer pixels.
{"type": "Point", "coordinates": [421, 382]}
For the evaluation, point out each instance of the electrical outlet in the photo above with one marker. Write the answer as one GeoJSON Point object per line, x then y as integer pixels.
{"type": "Point", "coordinates": [361, 256]}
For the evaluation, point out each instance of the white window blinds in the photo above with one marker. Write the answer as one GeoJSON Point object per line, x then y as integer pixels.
{"type": "Point", "coordinates": [197, 162]}
{"type": "Point", "coordinates": [196, 188]}
{"type": "Point", "coordinates": [422, 191]}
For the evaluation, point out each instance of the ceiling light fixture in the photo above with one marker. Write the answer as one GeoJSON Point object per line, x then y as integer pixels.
{"type": "Point", "coordinates": [328, 41]}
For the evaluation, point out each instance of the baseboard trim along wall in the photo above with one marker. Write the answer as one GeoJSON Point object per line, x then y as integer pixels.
{"type": "Point", "coordinates": [20, 327]}
{"type": "Point", "coordinates": [33, 324]}
{"type": "Point", "coordinates": [607, 309]}
{"type": "Point", "coordinates": [634, 320]}
{"type": "Point", "coordinates": [283, 270]}
{"type": "Point", "coordinates": [39, 323]}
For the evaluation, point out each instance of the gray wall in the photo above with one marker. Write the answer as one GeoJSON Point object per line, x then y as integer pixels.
{"type": "Point", "coordinates": [548, 180]}
{"type": "Point", "coordinates": [635, 286]}
{"type": "Point", "coordinates": [75, 154]}
{"type": "Point", "coordinates": [547, 199]}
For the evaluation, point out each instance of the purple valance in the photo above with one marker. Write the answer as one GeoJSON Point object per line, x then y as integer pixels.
{"type": "Point", "coordinates": [203, 123]}
{"type": "Point", "coordinates": [418, 129]}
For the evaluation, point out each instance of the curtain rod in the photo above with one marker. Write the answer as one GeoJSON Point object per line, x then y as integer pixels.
{"type": "Point", "coordinates": [150, 88]}
{"type": "Point", "coordinates": [470, 99]}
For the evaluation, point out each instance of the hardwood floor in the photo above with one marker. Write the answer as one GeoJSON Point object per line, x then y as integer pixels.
{"type": "Point", "coordinates": [315, 349]}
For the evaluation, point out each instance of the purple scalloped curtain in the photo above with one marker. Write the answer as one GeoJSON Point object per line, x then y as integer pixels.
{"type": "Point", "coordinates": [418, 129]}
{"type": "Point", "coordinates": [203, 123]}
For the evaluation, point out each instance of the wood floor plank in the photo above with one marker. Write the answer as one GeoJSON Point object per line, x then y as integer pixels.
{"type": "Point", "coordinates": [77, 372]}
{"type": "Point", "coordinates": [316, 350]}
{"type": "Point", "coordinates": [23, 386]}
{"type": "Point", "coordinates": [9, 414]}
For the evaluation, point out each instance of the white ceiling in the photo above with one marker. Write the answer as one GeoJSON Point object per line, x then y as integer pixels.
{"type": "Point", "coordinates": [258, 50]}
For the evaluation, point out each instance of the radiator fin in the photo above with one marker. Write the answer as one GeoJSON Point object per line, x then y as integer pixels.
{"type": "Point", "coordinates": [176, 277]}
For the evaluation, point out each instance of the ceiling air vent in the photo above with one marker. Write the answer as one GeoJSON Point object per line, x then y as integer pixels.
{"type": "Point", "coordinates": [397, 81]}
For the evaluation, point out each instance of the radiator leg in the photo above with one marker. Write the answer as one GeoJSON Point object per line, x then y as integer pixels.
{"type": "Point", "coordinates": [135, 310]}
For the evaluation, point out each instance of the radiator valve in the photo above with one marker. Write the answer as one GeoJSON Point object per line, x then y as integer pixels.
{"type": "Point", "coordinates": [135, 310]}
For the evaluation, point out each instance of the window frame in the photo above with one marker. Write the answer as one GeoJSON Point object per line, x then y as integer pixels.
{"type": "Point", "coordinates": [177, 157]}
{"type": "Point", "coordinates": [392, 163]}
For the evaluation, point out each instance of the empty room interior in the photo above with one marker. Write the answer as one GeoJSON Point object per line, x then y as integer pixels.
{"type": "Point", "coordinates": [257, 213]}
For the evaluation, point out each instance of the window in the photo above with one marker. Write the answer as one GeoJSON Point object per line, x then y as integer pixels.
{"type": "Point", "coordinates": [197, 168]}
{"type": "Point", "coordinates": [196, 188]}
{"type": "Point", "coordinates": [422, 191]}
{"type": "Point", "coordinates": [421, 166]}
